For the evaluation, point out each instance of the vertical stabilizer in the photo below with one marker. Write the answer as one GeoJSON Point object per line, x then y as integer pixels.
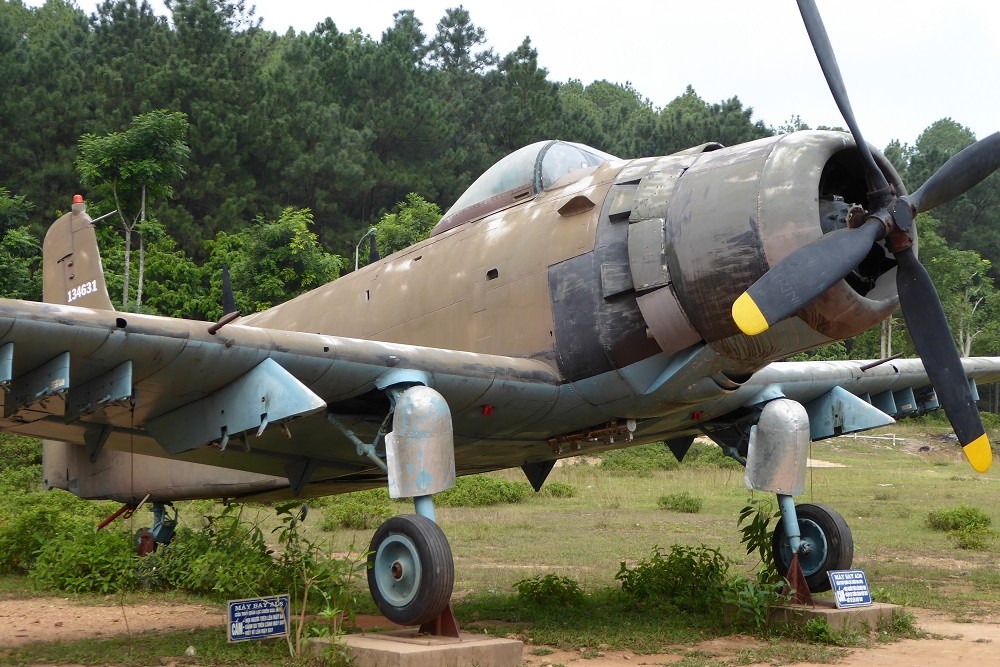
{"type": "Point", "coordinates": [71, 262]}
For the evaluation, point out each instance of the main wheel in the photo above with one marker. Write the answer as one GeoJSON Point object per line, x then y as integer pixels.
{"type": "Point", "coordinates": [827, 545]}
{"type": "Point", "coordinates": [411, 572]}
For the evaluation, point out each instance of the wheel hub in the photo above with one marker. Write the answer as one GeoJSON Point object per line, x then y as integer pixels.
{"type": "Point", "coordinates": [398, 570]}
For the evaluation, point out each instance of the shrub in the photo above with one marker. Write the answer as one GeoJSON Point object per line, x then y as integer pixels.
{"type": "Point", "coordinates": [973, 539]}
{"type": "Point", "coordinates": [963, 517]}
{"type": "Point", "coordinates": [482, 490]}
{"type": "Point", "coordinates": [19, 451]}
{"type": "Point", "coordinates": [29, 520]}
{"type": "Point", "coordinates": [644, 459]}
{"type": "Point", "coordinates": [691, 578]}
{"type": "Point", "coordinates": [701, 455]}
{"type": "Point", "coordinates": [361, 510]}
{"type": "Point", "coordinates": [558, 490]}
{"type": "Point", "coordinates": [87, 561]}
{"type": "Point", "coordinates": [549, 590]}
{"type": "Point", "coordinates": [680, 502]}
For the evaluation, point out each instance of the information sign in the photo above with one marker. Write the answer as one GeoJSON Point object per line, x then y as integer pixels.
{"type": "Point", "coordinates": [850, 588]}
{"type": "Point", "coordinates": [258, 618]}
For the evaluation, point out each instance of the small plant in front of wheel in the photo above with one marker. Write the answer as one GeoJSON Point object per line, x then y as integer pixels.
{"type": "Point", "coordinates": [314, 575]}
{"type": "Point", "coordinates": [549, 590]}
{"type": "Point", "coordinates": [753, 597]}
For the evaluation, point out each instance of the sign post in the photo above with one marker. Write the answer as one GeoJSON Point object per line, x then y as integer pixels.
{"type": "Point", "coordinates": [850, 588]}
{"type": "Point", "coordinates": [258, 618]}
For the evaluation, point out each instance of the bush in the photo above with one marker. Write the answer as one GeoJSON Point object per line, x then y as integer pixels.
{"type": "Point", "coordinates": [549, 590]}
{"type": "Point", "coordinates": [229, 558]}
{"type": "Point", "coordinates": [701, 455]}
{"type": "Point", "coordinates": [361, 510]}
{"type": "Point", "coordinates": [19, 451]}
{"type": "Point", "coordinates": [644, 459]}
{"type": "Point", "coordinates": [29, 520]}
{"type": "Point", "coordinates": [973, 539]}
{"type": "Point", "coordinates": [87, 561]}
{"type": "Point", "coordinates": [680, 502]}
{"type": "Point", "coordinates": [963, 517]}
{"type": "Point", "coordinates": [558, 490]}
{"type": "Point", "coordinates": [482, 490]}
{"type": "Point", "coordinates": [691, 578]}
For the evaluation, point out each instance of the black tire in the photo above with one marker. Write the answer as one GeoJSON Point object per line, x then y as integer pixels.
{"type": "Point", "coordinates": [830, 539]}
{"type": "Point", "coordinates": [411, 572]}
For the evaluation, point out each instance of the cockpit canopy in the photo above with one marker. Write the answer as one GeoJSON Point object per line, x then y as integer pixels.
{"type": "Point", "coordinates": [519, 176]}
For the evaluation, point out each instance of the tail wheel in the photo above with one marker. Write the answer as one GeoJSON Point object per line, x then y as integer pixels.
{"type": "Point", "coordinates": [411, 572]}
{"type": "Point", "coordinates": [827, 544]}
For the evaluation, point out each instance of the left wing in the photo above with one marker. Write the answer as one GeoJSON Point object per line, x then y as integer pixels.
{"type": "Point", "coordinates": [159, 386]}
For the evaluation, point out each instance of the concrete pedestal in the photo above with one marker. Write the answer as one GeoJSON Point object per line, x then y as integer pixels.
{"type": "Point", "coordinates": [838, 619]}
{"type": "Point", "coordinates": [407, 648]}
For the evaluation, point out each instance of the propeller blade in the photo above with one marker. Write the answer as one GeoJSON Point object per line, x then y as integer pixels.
{"type": "Point", "coordinates": [959, 174]}
{"type": "Point", "coordinates": [802, 276]}
{"type": "Point", "coordinates": [831, 70]}
{"type": "Point", "coordinates": [928, 328]}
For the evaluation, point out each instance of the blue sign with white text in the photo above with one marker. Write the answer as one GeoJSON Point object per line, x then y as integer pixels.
{"type": "Point", "coordinates": [258, 618]}
{"type": "Point", "coordinates": [850, 588]}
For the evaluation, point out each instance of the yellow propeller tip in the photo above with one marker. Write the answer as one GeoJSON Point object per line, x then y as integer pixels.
{"type": "Point", "coordinates": [748, 317]}
{"type": "Point", "coordinates": [979, 453]}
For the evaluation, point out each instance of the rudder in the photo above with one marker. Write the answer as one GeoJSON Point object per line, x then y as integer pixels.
{"type": "Point", "coordinates": [72, 273]}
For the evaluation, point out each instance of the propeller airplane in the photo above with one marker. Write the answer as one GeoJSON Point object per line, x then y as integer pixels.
{"type": "Point", "coordinates": [570, 302]}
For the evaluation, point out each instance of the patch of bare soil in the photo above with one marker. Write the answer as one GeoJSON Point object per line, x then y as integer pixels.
{"type": "Point", "coordinates": [59, 619]}
{"type": "Point", "coordinates": [52, 619]}
{"type": "Point", "coordinates": [951, 645]}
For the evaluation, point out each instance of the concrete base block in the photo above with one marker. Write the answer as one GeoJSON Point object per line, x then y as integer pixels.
{"type": "Point", "coordinates": [838, 619]}
{"type": "Point", "coordinates": [407, 648]}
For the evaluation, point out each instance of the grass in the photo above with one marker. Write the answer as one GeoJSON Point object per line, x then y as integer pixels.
{"type": "Point", "coordinates": [885, 493]}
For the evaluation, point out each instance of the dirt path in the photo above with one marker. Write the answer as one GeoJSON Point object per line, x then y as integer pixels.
{"type": "Point", "coordinates": [962, 645]}
{"type": "Point", "coordinates": [59, 619]}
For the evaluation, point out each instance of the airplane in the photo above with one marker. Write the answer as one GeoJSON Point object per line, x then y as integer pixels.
{"type": "Point", "coordinates": [570, 302]}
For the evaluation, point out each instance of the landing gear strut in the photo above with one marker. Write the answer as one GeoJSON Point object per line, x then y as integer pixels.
{"type": "Point", "coordinates": [411, 571]}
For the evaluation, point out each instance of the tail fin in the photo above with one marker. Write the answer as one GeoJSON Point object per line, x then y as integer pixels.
{"type": "Point", "coordinates": [71, 262]}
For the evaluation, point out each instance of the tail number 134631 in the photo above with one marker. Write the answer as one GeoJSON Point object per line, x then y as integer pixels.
{"type": "Point", "coordinates": [80, 291]}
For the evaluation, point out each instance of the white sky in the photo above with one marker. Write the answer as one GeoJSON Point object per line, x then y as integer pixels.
{"type": "Point", "coordinates": [905, 64]}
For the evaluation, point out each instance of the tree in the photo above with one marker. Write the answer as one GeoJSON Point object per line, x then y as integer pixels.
{"type": "Point", "coordinates": [133, 168]}
{"type": "Point", "coordinates": [271, 262]}
{"type": "Point", "coordinates": [20, 252]}
{"type": "Point", "coordinates": [409, 222]}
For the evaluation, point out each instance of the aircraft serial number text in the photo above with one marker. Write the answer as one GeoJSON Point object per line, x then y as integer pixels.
{"type": "Point", "coordinates": [82, 290]}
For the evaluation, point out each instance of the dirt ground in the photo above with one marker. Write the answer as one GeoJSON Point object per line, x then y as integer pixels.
{"type": "Point", "coordinates": [59, 619]}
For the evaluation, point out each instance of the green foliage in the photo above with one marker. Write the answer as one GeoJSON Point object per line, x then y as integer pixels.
{"type": "Point", "coordinates": [962, 517]}
{"type": "Point", "coordinates": [549, 590]}
{"type": "Point", "coordinates": [19, 451]}
{"type": "Point", "coordinates": [968, 527]}
{"type": "Point", "coordinates": [86, 561]}
{"type": "Point", "coordinates": [690, 578]}
{"type": "Point", "coordinates": [644, 459]}
{"type": "Point", "coordinates": [680, 502]}
{"type": "Point", "coordinates": [20, 251]}
{"type": "Point", "coordinates": [228, 558]}
{"type": "Point", "coordinates": [271, 262]}
{"type": "Point", "coordinates": [409, 222]}
{"type": "Point", "coordinates": [756, 532]}
{"type": "Point", "coordinates": [701, 455]}
{"type": "Point", "coordinates": [361, 510]}
{"type": "Point", "coordinates": [558, 490]}
{"type": "Point", "coordinates": [482, 490]}
{"type": "Point", "coordinates": [752, 599]}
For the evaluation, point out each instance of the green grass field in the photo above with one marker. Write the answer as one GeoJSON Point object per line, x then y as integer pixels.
{"type": "Point", "coordinates": [885, 491]}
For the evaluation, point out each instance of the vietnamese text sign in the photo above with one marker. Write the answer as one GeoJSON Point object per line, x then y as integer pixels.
{"type": "Point", "coordinates": [258, 618]}
{"type": "Point", "coordinates": [850, 588]}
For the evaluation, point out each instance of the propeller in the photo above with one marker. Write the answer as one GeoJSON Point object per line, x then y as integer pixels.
{"type": "Point", "coordinates": [812, 269]}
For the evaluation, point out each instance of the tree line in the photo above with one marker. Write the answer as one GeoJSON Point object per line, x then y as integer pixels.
{"type": "Point", "coordinates": [294, 144]}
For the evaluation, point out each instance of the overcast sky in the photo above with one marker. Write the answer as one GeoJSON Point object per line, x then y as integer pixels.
{"type": "Point", "coordinates": [905, 64]}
